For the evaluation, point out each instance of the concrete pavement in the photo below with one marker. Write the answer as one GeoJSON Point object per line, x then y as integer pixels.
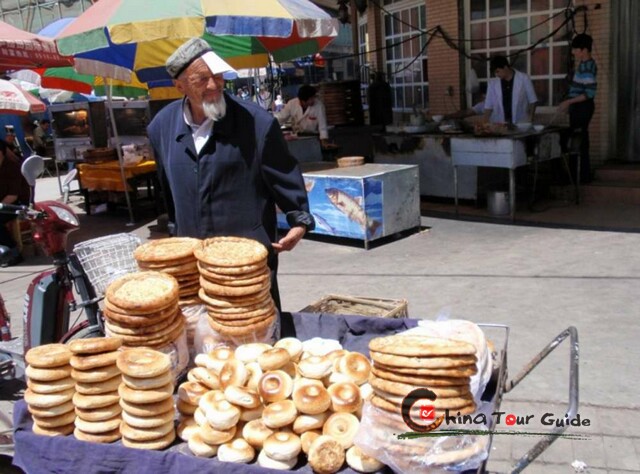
{"type": "Point", "coordinates": [536, 280]}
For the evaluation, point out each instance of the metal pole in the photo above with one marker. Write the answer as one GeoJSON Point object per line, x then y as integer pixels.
{"type": "Point", "coordinates": [116, 138]}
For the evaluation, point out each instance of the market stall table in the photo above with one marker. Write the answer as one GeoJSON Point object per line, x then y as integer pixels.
{"type": "Point", "coordinates": [107, 177]}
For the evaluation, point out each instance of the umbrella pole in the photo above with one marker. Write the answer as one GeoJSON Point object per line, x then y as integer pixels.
{"type": "Point", "coordinates": [119, 152]}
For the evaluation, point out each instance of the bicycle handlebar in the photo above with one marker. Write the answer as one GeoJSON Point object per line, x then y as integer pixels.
{"type": "Point", "coordinates": [13, 208]}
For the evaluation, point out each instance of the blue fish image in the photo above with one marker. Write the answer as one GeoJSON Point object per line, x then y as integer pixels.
{"type": "Point", "coordinates": [349, 206]}
{"type": "Point", "coordinates": [322, 224]}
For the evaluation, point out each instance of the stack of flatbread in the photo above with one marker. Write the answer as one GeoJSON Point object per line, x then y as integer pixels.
{"type": "Point", "coordinates": [50, 389]}
{"type": "Point", "coordinates": [96, 378]}
{"type": "Point", "coordinates": [235, 287]}
{"type": "Point", "coordinates": [174, 255]}
{"type": "Point", "coordinates": [146, 399]}
{"type": "Point", "coordinates": [402, 364]}
{"type": "Point", "coordinates": [142, 309]}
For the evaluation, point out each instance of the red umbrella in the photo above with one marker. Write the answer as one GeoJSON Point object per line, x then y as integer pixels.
{"type": "Point", "coordinates": [20, 49]}
{"type": "Point", "coordinates": [15, 100]}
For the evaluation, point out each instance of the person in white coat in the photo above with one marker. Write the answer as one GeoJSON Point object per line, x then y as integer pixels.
{"type": "Point", "coordinates": [510, 95]}
{"type": "Point", "coordinates": [306, 114]}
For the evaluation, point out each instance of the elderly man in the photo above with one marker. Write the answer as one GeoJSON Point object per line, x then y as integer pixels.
{"type": "Point", "coordinates": [223, 162]}
{"type": "Point", "coordinates": [510, 95]}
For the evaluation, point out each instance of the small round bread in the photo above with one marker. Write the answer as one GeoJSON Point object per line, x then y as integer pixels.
{"type": "Point", "coordinates": [98, 374]}
{"type": "Point", "coordinates": [200, 417]}
{"type": "Point", "coordinates": [167, 249]}
{"type": "Point", "coordinates": [206, 377]}
{"type": "Point", "coordinates": [275, 386]}
{"type": "Point", "coordinates": [265, 461]}
{"type": "Point", "coordinates": [48, 374]}
{"type": "Point", "coordinates": [292, 345]}
{"type": "Point", "coordinates": [242, 397]}
{"type": "Point", "coordinates": [94, 345]}
{"type": "Point", "coordinates": [342, 427]}
{"type": "Point", "coordinates": [55, 421]}
{"type": "Point", "coordinates": [311, 399]}
{"type": "Point", "coordinates": [185, 408]}
{"type": "Point", "coordinates": [186, 428]}
{"type": "Point", "coordinates": [141, 291]}
{"type": "Point", "coordinates": [93, 361]}
{"type": "Point", "coordinates": [147, 434]}
{"type": "Point", "coordinates": [144, 422]}
{"type": "Point", "coordinates": [326, 455]}
{"type": "Point", "coordinates": [233, 373]}
{"type": "Point", "coordinates": [304, 423]}
{"type": "Point", "coordinates": [254, 374]}
{"type": "Point", "coordinates": [199, 448]}
{"type": "Point", "coordinates": [255, 432]}
{"type": "Point", "coordinates": [252, 414]}
{"type": "Point", "coordinates": [213, 436]}
{"type": "Point", "coordinates": [207, 400]}
{"type": "Point", "coordinates": [230, 251]}
{"type": "Point", "coordinates": [152, 395]}
{"type": "Point", "coordinates": [97, 427]}
{"type": "Point", "coordinates": [48, 400]}
{"type": "Point", "coordinates": [307, 438]}
{"type": "Point", "coordinates": [51, 412]}
{"type": "Point", "coordinates": [51, 387]}
{"type": "Point", "coordinates": [143, 363]}
{"type": "Point", "coordinates": [104, 437]}
{"type": "Point", "coordinates": [273, 359]}
{"type": "Point", "coordinates": [222, 415]}
{"type": "Point", "coordinates": [98, 388]}
{"type": "Point", "coordinates": [282, 446]}
{"type": "Point", "coordinates": [90, 402]}
{"type": "Point", "coordinates": [218, 357]}
{"type": "Point", "coordinates": [159, 443]}
{"type": "Point", "coordinates": [420, 346]}
{"type": "Point", "coordinates": [147, 409]}
{"type": "Point", "coordinates": [315, 367]}
{"type": "Point", "coordinates": [57, 431]}
{"type": "Point", "coordinates": [237, 451]}
{"type": "Point", "coordinates": [359, 461]}
{"type": "Point", "coordinates": [345, 397]}
{"type": "Point", "coordinates": [48, 356]}
{"type": "Point", "coordinates": [355, 366]}
{"type": "Point", "coordinates": [146, 383]}
{"type": "Point", "coordinates": [279, 414]}
{"type": "Point", "coordinates": [191, 392]}
{"type": "Point", "coordinates": [99, 414]}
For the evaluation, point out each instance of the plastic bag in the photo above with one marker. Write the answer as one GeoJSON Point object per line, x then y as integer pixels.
{"type": "Point", "coordinates": [206, 338]}
{"type": "Point", "coordinates": [193, 314]}
{"type": "Point", "coordinates": [378, 436]}
{"type": "Point", "coordinates": [179, 354]}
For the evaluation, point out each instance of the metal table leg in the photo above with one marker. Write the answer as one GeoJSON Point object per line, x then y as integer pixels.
{"type": "Point", "coordinates": [512, 193]}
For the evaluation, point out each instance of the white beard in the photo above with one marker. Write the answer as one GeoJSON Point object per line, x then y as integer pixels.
{"type": "Point", "coordinates": [215, 110]}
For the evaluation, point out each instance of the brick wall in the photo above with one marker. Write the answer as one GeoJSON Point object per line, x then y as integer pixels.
{"type": "Point", "coordinates": [375, 27]}
{"type": "Point", "coordinates": [443, 62]}
{"type": "Point", "coordinates": [600, 29]}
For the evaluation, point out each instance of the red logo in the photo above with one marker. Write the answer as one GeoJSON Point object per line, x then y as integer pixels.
{"type": "Point", "coordinates": [427, 412]}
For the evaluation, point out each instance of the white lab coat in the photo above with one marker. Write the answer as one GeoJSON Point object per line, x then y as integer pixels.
{"type": "Point", "coordinates": [314, 119]}
{"type": "Point", "coordinates": [523, 95]}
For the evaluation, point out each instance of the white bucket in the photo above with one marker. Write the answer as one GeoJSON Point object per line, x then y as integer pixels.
{"type": "Point", "coordinates": [498, 203]}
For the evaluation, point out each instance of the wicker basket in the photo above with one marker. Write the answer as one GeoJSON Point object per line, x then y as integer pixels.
{"type": "Point", "coordinates": [359, 305]}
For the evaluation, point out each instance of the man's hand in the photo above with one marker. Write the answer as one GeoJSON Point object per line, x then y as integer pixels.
{"type": "Point", "coordinates": [564, 105]}
{"type": "Point", "coordinates": [289, 241]}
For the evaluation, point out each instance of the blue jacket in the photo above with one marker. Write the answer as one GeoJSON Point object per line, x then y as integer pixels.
{"type": "Point", "coordinates": [234, 184]}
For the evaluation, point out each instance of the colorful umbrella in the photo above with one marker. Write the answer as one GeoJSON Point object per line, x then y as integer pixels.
{"type": "Point", "coordinates": [15, 100]}
{"type": "Point", "coordinates": [20, 49]}
{"type": "Point", "coordinates": [129, 34]}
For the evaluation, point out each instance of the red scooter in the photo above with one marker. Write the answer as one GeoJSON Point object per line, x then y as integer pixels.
{"type": "Point", "coordinates": [50, 298]}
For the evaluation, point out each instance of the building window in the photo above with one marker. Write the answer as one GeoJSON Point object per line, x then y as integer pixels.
{"type": "Point", "coordinates": [363, 58]}
{"type": "Point", "coordinates": [507, 26]}
{"type": "Point", "coordinates": [405, 53]}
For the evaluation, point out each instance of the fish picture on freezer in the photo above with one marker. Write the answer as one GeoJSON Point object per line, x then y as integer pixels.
{"type": "Point", "coordinates": [352, 207]}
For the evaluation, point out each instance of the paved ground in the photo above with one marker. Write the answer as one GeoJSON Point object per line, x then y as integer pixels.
{"type": "Point", "coordinates": [536, 280]}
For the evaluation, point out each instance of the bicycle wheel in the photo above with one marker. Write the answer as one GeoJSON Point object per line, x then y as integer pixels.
{"type": "Point", "coordinates": [84, 333]}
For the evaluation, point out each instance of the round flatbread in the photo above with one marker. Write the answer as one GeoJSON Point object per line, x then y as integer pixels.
{"type": "Point", "coordinates": [420, 346]}
{"type": "Point", "coordinates": [147, 409]}
{"type": "Point", "coordinates": [188, 267]}
{"type": "Point", "coordinates": [98, 374]}
{"type": "Point", "coordinates": [118, 330]}
{"type": "Point", "coordinates": [141, 362]}
{"type": "Point", "coordinates": [223, 315]}
{"type": "Point", "coordinates": [48, 356]}
{"type": "Point", "coordinates": [93, 361]}
{"type": "Point", "coordinates": [462, 371]}
{"type": "Point", "coordinates": [159, 443]}
{"type": "Point", "coordinates": [423, 380]}
{"type": "Point", "coordinates": [53, 386]}
{"type": "Point", "coordinates": [141, 321]}
{"type": "Point", "coordinates": [224, 277]}
{"type": "Point", "coordinates": [401, 389]}
{"type": "Point", "coordinates": [464, 408]}
{"type": "Point", "coordinates": [94, 345]}
{"type": "Point", "coordinates": [231, 251]}
{"type": "Point", "coordinates": [235, 301]}
{"type": "Point", "coordinates": [48, 375]}
{"type": "Point", "coordinates": [143, 291]}
{"type": "Point", "coordinates": [108, 437]}
{"type": "Point", "coordinates": [233, 272]}
{"type": "Point", "coordinates": [234, 291]}
{"type": "Point", "coordinates": [240, 280]}
{"type": "Point", "coordinates": [99, 414]}
{"type": "Point", "coordinates": [167, 249]}
{"type": "Point", "coordinates": [445, 362]}
{"type": "Point", "coordinates": [241, 330]}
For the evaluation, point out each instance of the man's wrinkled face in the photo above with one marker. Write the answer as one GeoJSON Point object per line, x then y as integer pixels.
{"type": "Point", "coordinates": [203, 87]}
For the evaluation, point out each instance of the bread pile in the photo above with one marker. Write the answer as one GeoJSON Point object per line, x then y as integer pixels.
{"type": "Point", "coordinates": [50, 389]}
{"type": "Point", "coordinates": [402, 364]}
{"type": "Point", "coordinates": [235, 287]}
{"type": "Point", "coordinates": [173, 255]}
{"type": "Point", "coordinates": [146, 399]}
{"type": "Point", "coordinates": [277, 402]}
{"type": "Point", "coordinates": [142, 309]}
{"type": "Point", "coordinates": [96, 378]}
